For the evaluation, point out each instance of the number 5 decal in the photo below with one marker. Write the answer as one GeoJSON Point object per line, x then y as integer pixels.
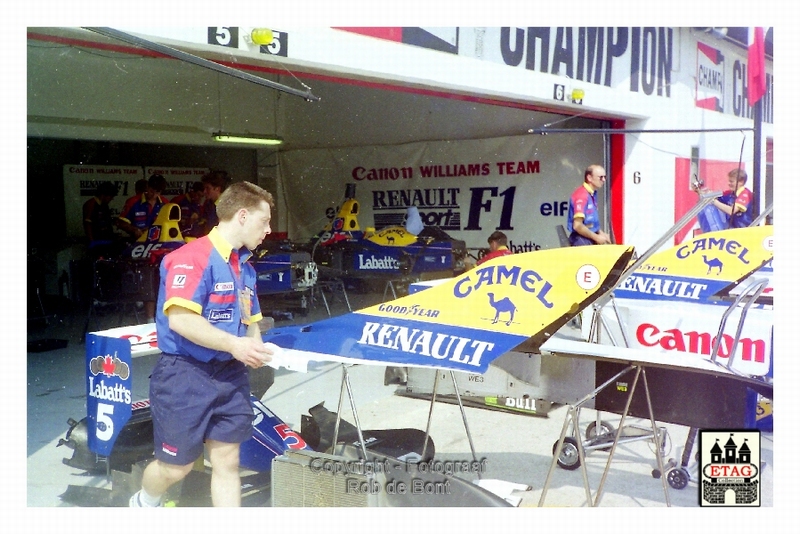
{"type": "Point", "coordinates": [287, 435]}
{"type": "Point", "coordinates": [105, 425]}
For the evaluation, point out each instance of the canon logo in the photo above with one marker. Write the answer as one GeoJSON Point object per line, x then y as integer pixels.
{"type": "Point", "coordinates": [650, 335]}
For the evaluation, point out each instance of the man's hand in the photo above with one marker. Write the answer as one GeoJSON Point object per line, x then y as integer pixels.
{"type": "Point", "coordinates": [602, 238]}
{"type": "Point", "coordinates": [250, 351]}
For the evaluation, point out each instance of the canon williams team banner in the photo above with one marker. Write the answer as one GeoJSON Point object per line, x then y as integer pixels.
{"type": "Point", "coordinates": [520, 185]}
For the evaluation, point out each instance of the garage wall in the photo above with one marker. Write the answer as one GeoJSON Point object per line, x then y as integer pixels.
{"type": "Point", "coordinates": [519, 185]}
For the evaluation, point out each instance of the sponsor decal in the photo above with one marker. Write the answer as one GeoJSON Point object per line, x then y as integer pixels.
{"type": "Point", "coordinates": [521, 403]}
{"type": "Point", "coordinates": [183, 266]}
{"type": "Point", "coordinates": [528, 280]}
{"type": "Point", "coordinates": [729, 468]}
{"type": "Point", "coordinates": [404, 311]}
{"type": "Point", "coordinates": [371, 263]}
{"type": "Point", "coordinates": [169, 449]}
{"type": "Point", "coordinates": [116, 393]}
{"type": "Point", "coordinates": [179, 280]}
{"type": "Point", "coordinates": [223, 286]}
{"type": "Point", "coordinates": [425, 343]}
{"type": "Point", "coordinates": [154, 233]}
{"type": "Point", "coordinates": [138, 405]}
{"type": "Point", "coordinates": [108, 390]}
{"type": "Point", "coordinates": [664, 287]}
{"type": "Point", "coordinates": [707, 246]}
{"type": "Point", "coordinates": [220, 316]}
{"type": "Point", "coordinates": [588, 277]}
{"type": "Point", "coordinates": [143, 251]}
{"type": "Point", "coordinates": [650, 335]}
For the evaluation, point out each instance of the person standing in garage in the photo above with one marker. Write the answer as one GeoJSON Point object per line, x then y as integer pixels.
{"type": "Point", "coordinates": [191, 203]}
{"type": "Point", "coordinates": [142, 214]}
{"type": "Point", "coordinates": [736, 202]}
{"type": "Point", "coordinates": [207, 328]}
{"type": "Point", "coordinates": [98, 223]}
{"type": "Point", "coordinates": [214, 183]}
{"type": "Point", "coordinates": [583, 219]}
{"type": "Point", "coordinates": [498, 246]}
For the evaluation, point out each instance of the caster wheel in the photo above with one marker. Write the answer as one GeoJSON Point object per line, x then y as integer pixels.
{"type": "Point", "coordinates": [568, 456]}
{"type": "Point", "coordinates": [678, 478]}
{"type": "Point", "coordinates": [607, 432]}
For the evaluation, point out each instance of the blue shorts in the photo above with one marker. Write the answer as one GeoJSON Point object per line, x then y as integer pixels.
{"type": "Point", "coordinates": [192, 401]}
{"type": "Point", "coordinates": [577, 240]}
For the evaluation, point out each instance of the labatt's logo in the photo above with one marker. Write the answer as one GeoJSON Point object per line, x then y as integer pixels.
{"type": "Point", "coordinates": [109, 366]}
{"type": "Point", "coordinates": [373, 263]}
{"type": "Point", "coordinates": [708, 244]}
{"type": "Point", "coordinates": [649, 335]}
{"type": "Point", "coordinates": [528, 280]}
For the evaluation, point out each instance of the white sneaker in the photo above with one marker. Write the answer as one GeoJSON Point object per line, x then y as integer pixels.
{"type": "Point", "coordinates": [137, 502]}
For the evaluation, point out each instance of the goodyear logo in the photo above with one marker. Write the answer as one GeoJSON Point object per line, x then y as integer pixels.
{"type": "Point", "coordinates": [528, 280]}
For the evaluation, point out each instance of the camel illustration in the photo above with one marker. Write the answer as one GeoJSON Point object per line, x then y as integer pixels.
{"type": "Point", "coordinates": [503, 305]}
{"type": "Point", "coordinates": [712, 264]}
{"type": "Point", "coordinates": [390, 240]}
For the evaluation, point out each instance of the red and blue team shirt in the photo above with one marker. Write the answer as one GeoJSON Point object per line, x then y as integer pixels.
{"type": "Point", "coordinates": [141, 214]}
{"type": "Point", "coordinates": [208, 277]}
{"type": "Point", "coordinates": [501, 251]}
{"type": "Point", "coordinates": [583, 203]}
{"type": "Point", "coordinates": [741, 200]}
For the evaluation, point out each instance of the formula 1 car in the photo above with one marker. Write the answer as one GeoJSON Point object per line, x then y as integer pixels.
{"type": "Point", "coordinates": [343, 250]}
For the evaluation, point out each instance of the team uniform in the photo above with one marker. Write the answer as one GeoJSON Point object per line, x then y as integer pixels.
{"type": "Point", "coordinates": [583, 204]}
{"type": "Point", "coordinates": [191, 213]}
{"type": "Point", "coordinates": [209, 387]}
{"type": "Point", "coordinates": [741, 200]}
{"type": "Point", "coordinates": [98, 216]}
{"type": "Point", "coordinates": [140, 213]}
{"type": "Point", "coordinates": [501, 251]}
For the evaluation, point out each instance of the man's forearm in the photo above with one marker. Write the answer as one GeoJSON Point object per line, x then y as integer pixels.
{"type": "Point", "coordinates": [198, 330]}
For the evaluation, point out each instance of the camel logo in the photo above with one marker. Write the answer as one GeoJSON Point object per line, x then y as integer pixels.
{"type": "Point", "coordinates": [729, 468]}
{"type": "Point", "coordinates": [713, 263]}
{"type": "Point", "coordinates": [503, 305]}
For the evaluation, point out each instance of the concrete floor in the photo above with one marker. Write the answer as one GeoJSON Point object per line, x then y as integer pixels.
{"type": "Point", "coordinates": [517, 448]}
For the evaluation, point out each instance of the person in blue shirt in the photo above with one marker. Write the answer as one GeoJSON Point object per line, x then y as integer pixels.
{"type": "Point", "coordinates": [207, 328]}
{"type": "Point", "coordinates": [583, 218]}
{"type": "Point", "coordinates": [141, 215]}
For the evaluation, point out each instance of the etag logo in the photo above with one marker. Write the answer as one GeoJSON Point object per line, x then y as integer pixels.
{"type": "Point", "coordinates": [223, 286]}
{"type": "Point", "coordinates": [179, 280]}
{"type": "Point", "coordinates": [729, 468]}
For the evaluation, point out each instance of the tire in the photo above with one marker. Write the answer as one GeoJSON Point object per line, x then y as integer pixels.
{"type": "Point", "coordinates": [678, 478]}
{"type": "Point", "coordinates": [606, 429]}
{"type": "Point", "coordinates": [568, 456]}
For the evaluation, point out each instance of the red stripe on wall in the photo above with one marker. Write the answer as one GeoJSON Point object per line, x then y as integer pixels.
{"type": "Point", "coordinates": [390, 34]}
{"type": "Point", "coordinates": [316, 76]}
{"type": "Point", "coordinates": [125, 49]}
{"type": "Point", "coordinates": [617, 182]}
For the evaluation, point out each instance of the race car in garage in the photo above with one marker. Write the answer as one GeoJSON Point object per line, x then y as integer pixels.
{"type": "Point", "coordinates": [414, 251]}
